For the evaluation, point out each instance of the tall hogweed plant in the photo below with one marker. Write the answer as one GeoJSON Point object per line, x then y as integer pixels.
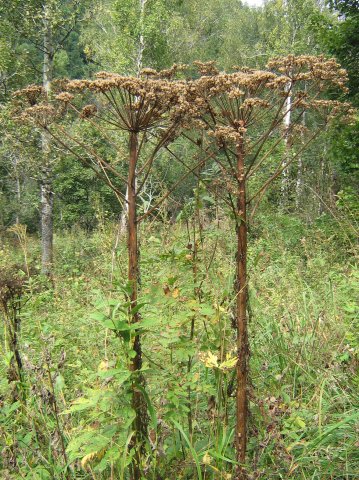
{"type": "Point", "coordinates": [237, 121]}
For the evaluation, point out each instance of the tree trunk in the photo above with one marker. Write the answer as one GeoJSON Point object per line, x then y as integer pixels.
{"type": "Point", "coordinates": [141, 40]}
{"type": "Point", "coordinates": [138, 401]}
{"type": "Point", "coordinates": [299, 184]}
{"type": "Point", "coordinates": [241, 313]}
{"type": "Point", "coordinates": [124, 214]}
{"type": "Point", "coordinates": [17, 189]}
{"type": "Point", "coordinates": [47, 197]}
{"type": "Point", "coordinates": [321, 181]}
{"type": "Point", "coordinates": [47, 201]}
{"type": "Point", "coordinates": [287, 125]}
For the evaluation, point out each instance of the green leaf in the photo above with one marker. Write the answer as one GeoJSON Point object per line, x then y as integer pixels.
{"type": "Point", "coordinates": [207, 310]}
{"type": "Point", "coordinates": [100, 317]}
{"type": "Point", "coordinates": [90, 441]}
{"type": "Point", "coordinates": [146, 324]}
{"type": "Point", "coordinates": [120, 375]}
{"type": "Point", "coordinates": [59, 383]}
{"type": "Point", "coordinates": [192, 450]}
{"type": "Point", "coordinates": [300, 423]}
{"type": "Point", "coordinates": [215, 454]}
{"type": "Point", "coordinates": [125, 459]}
{"type": "Point", "coordinates": [80, 404]}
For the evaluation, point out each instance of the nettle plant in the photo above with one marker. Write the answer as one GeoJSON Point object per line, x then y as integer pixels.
{"type": "Point", "coordinates": [237, 121]}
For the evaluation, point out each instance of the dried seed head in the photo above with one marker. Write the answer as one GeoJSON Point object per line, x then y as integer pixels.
{"type": "Point", "coordinates": [206, 68]}
{"type": "Point", "coordinates": [65, 97]}
{"type": "Point", "coordinates": [310, 68]}
{"type": "Point", "coordinates": [32, 93]}
{"type": "Point", "coordinates": [149, 72]}
{"type": "Point", "coordinates": [228, 134]}
{"type": "Point", "coordinates": [88, 111]}
{"type": "Point", "coordinates": [224, 103]}
{"type": "Point", "coordinates": [43, 115]}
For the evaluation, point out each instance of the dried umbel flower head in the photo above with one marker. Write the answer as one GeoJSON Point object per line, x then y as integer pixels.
{"type": "Point", "coordinates": [234, 85]}
{"type": "Point", "coordinates": [149, 72]}
{"type": "Point", "coordinates": [170, 73]}
{"type": "Point", "coordinates": [65, 97]}
{"type": "Point", "coordinates": [243, 69]}
{"type": "Point", "coordinates": [33, 94]}
{"type": "Point", "coordinates": [88, 111]}
{"type": "Point", "coordinates": [254, 102]}
{"type": "Point", "coordinates": [252, 96]}
{"type": "Point", "coordinates": [32, 106]}
{"type": "Point", "coordinates": [12, 282]}
{"type": "Point", "coordinates": [135, 103]}
{"type": "Point", "coordinates": [236, 93]}
{"type": "Point", "coordinates": [206, 68]}
{"type": "Point", "coordinates": [227, 104]}
{"type": "Point", "coordinates": [228, 134]}
{"type": "Point", "coordinates": [77, 85]}
{"type": "Point", "coordinates": [331, 109]}
{"type": "Point", "coordinates": [42, 115]}
{"type": "Point", "coordinates": [310, 68]}
{"type": "Point", "coordinates": [232, 100]}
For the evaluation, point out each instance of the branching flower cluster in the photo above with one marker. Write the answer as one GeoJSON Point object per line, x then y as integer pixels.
{"type": "Point", "coordinates": [245, 107]}
{"type": "Point", "coordinates": [227, 104]}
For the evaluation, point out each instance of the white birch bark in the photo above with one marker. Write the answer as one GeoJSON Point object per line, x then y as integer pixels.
{"type": "Point", "coordinates": [298, 185]}
{"type": "Point", "coordinates": [17, 187]}
{"type": "Point", "coordinates": [47, 196]}
{"type": "Point", "coordinates": [287, 125]}
{"type": "Point", "coordinates": [299, 182]}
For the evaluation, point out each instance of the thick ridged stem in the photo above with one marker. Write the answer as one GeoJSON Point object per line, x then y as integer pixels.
{"type": "Point", "coordinates": [241, 312]}
{"type": "Point", "coordinates": [138, 400]}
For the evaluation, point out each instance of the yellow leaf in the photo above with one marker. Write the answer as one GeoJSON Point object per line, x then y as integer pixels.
{"type": "Point", "coordinates": [92, 456]}
{"type": "Point", "coordinates": [206, 460]}
{"type": "Point", "coordinates": [209, 359]}
{"type": "Point", "coordinates": [175, 292]}
{"type": "Point", "coordinates": [229, 363]}
{"type": "Point", "coordinates": [87, 458]}
{"type": "Point", "coordinates": [103, 367]}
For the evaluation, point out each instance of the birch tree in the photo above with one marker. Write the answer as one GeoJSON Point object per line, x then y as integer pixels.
{"type": "Point", "coordinates": [288, 26]}
{"type": "Point", "coordinates": [45, 24]}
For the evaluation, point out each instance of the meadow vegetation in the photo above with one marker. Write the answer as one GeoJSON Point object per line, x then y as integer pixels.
{"type": "Point", "coordinates": [303, 394]}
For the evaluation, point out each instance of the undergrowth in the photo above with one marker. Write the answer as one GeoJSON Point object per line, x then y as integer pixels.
{"type": "Point", "coordinates": [76, 348]}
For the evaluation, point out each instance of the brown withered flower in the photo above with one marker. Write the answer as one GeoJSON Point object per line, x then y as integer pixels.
{"type": "Point", "coordinates": [42, 115]}
{"type": "Point", "coordinates": [65, 97]}
{"type": "Point", "coordinates": [206, 68]}
{"type": "Point", "coordinates": [88, 111]}
{"type": "Point", "coordinates": [33, 94]}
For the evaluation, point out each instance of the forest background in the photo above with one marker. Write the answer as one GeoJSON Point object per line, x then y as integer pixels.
{"type": "Point", "coordinates": [57, 216]}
